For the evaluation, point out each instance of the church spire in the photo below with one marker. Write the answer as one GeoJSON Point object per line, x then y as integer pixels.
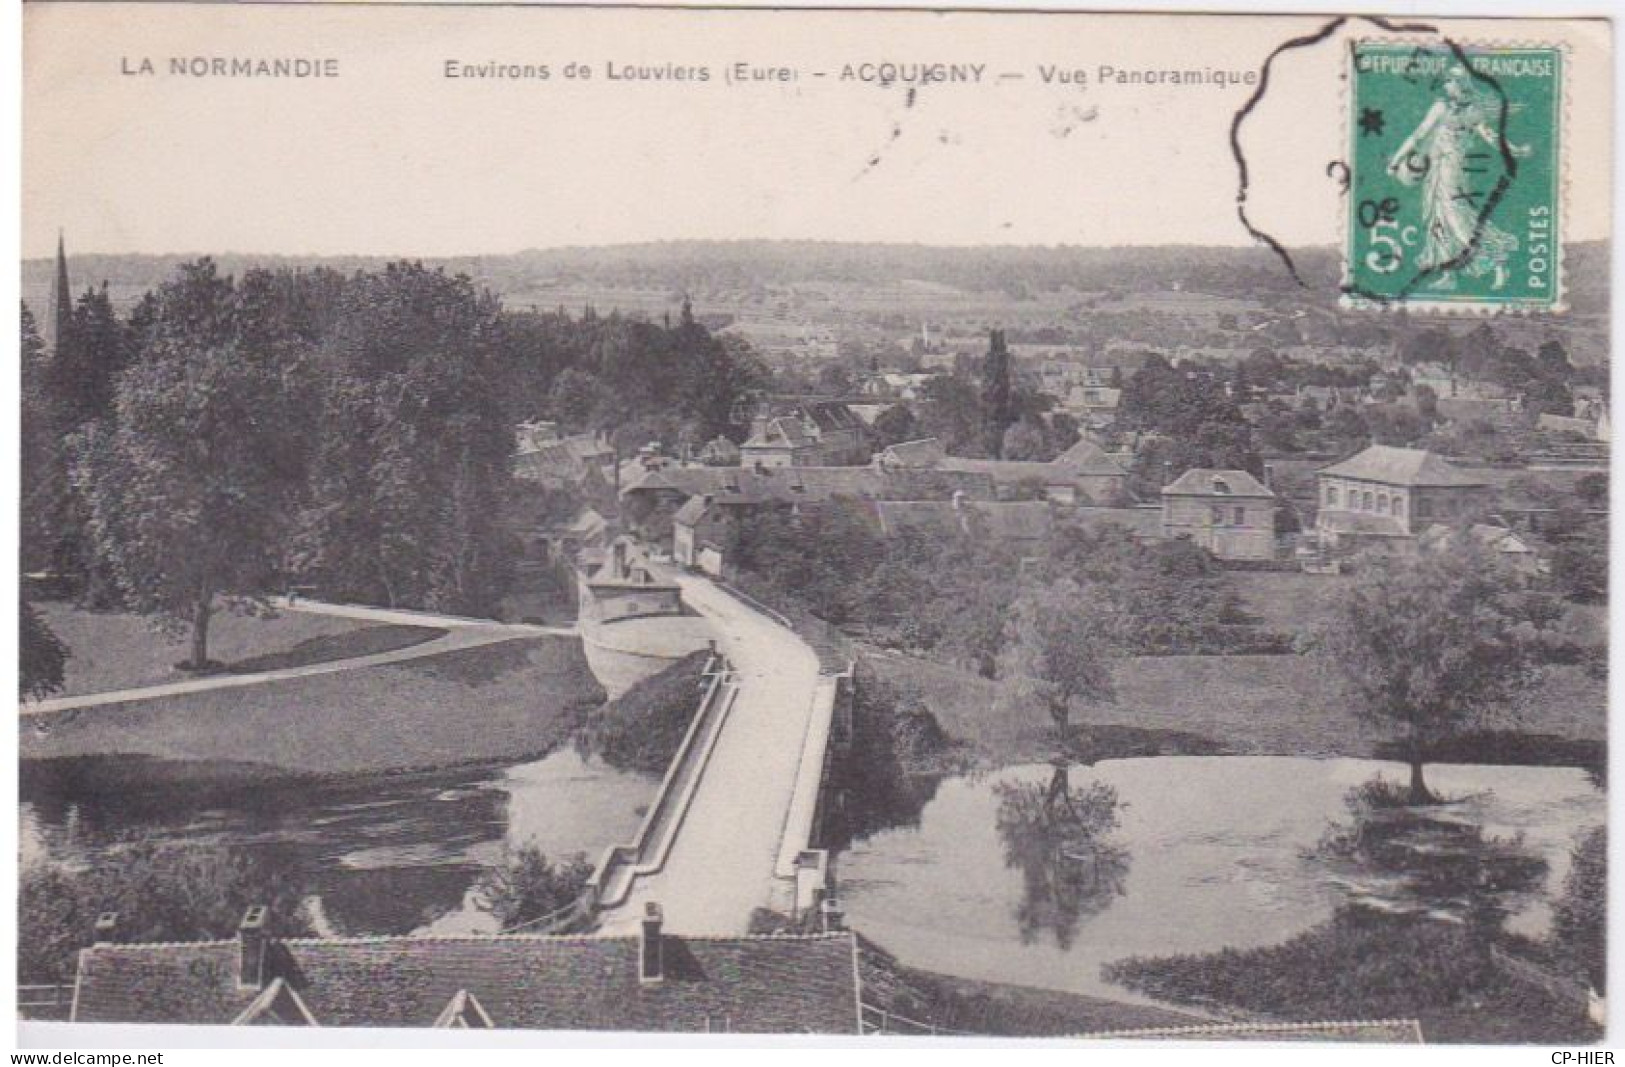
{"type": "Point", "coordinates": [61, 298]}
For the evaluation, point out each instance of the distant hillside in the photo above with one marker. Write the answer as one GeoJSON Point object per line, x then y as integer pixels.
{"type": "Point", "coordinates": [646, 276]}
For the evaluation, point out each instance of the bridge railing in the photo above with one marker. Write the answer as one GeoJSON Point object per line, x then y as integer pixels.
{"type": "Point", "coordinates": [621, 864]}
{"type": "Point", "coordinates": [47, 1002]}
{"type": "Point", "coordinates": [881, 1021]}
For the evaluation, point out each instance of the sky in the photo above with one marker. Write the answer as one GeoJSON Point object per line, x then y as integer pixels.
{"type": "Point", "coordinates": [392, 158]}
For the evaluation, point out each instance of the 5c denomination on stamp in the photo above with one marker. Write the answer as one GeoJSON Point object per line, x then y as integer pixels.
{"type": "Point", "coordinates": [1455, 182]}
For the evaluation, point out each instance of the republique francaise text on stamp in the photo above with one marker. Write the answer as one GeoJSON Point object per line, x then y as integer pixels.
{"type": "Point", "coordinates": [1455, 177]}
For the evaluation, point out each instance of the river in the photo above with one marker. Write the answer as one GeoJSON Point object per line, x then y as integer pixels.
{"type": "Point", "coordinates": [1206, 853]}
{"type": "Point", "coordinates": [383, 854]}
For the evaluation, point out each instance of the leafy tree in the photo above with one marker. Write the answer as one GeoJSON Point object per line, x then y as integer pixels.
{"type": "Point", "coordinates": [43, 460]}
{"type": "Point", "coordinates": [160, 892]}
{"type": "Point", "coordinates": [526, 886]}
{"type": "Point", "coordinates": [407, 479]}
{"type": "Point", "coordinates": [1056, 652]}
{"type": "Point", "coordinates": [895, 425]}
{"type": "Point", "coordinates": [1432, 645]}
{"type": "Point", "coordinates": [1592, 489]}
{"type": "Point", "coordinates": [188, 489]}
{"type": "Point", "coordinates": [1580, 918]}
{"type": "Point", "coordinates": [953, 414]}
{"type": "Point", "coordinates": [1580, 563]}
{"type": "Point", "coordinates": [997, 394]}
{"type": "Point", "coordinates": [1024, 440]}
{"type": "Point", "coordinates": [42, 657]}
{"type": "Point", "coordinates": [87, 361]}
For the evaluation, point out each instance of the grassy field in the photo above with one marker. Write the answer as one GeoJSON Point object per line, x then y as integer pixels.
{"type": "Point", "coordinates": [513, 700]}
{"type": "Point", "coordinates": [116, 650]}
{"type": "Point", "coordinates": [1250, 705]}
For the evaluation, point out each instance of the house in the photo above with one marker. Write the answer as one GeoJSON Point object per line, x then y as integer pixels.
{"type": "Point", "coordinates": [1082, 474]}
{"type": "Point", "coordinates": [719, 452]}
{"type": "Point", "coordinates": [1590, 421]}
{"type": "Point", "coordinates": [1228, 512]}
{"type": "Point", "coordinates": [1506, 544]}
{"type": "Point", "coordinates": [814, 434]}
{"type": "Point", "coordinates": [673, 485]}
{"type": "Point", "coordinates": [895, 385]}
{"type": "Point", "coordinates": [703, 533]}
{"type": "Point", "coordinates": [1386, 494]}
{"type": "Point", "coordinates": [710, 500]}
{"type": "Point", "coordinates": [924, 454]}
{"type": "Point", "coordinates": [576, 460]}
{"type": "Point", "coordinates": [651, 980]}
{"type": "Point", "coordinates": [562, 542]}
{"type": "Point", "coordinates": [1094, 403]}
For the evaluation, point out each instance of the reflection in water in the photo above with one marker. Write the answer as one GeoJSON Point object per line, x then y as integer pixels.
{"type": "Point", "coordinates": [1057, 837]}
{"type": "Point", "coordinates": [1224, 855]}
{"type": "Point", "coordinates": [383, 854]}
{"type": "Point", "coordinates": [1434, 860]}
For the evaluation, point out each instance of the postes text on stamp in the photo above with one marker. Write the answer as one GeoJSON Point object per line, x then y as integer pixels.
{"type": "Point", "coordinates": [1455, 177]}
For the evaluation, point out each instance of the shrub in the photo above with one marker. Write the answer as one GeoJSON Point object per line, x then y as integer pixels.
{"type": "Point", "coordinates": [526, 886]}
{"type": "Point", "coordinates": [161, 892]}
{"type": "Point", "coordinates": [1579, 922]}
{"type": "Point", "coordinates": [642, 729]}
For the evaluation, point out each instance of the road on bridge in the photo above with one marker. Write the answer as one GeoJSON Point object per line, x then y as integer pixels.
{"type": "Point", "coordinates": [720, 867]}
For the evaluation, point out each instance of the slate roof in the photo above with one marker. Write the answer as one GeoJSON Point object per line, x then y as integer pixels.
{"type": "Point", "coordinates": [1086, 457]}
{"type": "Point", "coordinates": [829, 415]}
{"type": "Point", "coordinates": [778, 433]}
{"type": "Point", "coordinates": [926, 452]}
{"type": "Point", "coordinates": [1203, 481]}
{"type": "Point", "coordinates": [692, 511]}
{"type": "Point", "coordinates": [743, 984]}
{"type": "Point", "coordinates": [748, 485]}
{"type": "Point", "coordinates": [1011, 471]}
{"type": "Point", "coordinates": [1401, 466]}
{"type": "Point", "coordinates": [1083, 459]}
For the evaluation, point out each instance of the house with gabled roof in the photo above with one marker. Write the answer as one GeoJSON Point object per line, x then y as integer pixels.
{"type": "Point", "coordinates": [651, 980]}
{"type": "Point", "coordinates": [812, 434]}
{"type": "Point", "coordinates": [1228, 512]}
{"type": "Point", "coordinates": [1083, 474]}
{"type": "Point", "coordinates": [1387, 496]}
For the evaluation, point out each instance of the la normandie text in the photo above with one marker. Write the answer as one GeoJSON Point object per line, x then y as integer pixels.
{"type": "Point", "coordinates": [293, 67]}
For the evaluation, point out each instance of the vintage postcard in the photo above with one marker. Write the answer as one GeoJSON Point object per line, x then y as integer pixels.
{"type": "Point", "coordinates": [834, 522]}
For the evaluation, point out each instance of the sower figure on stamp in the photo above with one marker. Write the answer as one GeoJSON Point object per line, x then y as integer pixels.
{"type": "Point", "coordinates": [1439, 153]}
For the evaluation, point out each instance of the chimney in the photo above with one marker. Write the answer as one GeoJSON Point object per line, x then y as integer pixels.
{"type": "Point", "coordinates": [651, 958]}
{"type": "Point", "coordinates": [1269, 476]}
{"type": "Point", "coordinates": [758, 426]}
{"type": "Point", "coordinates": [106, 931]}
{"type": "Point", "coordinates": [251, 948]}
{"type": "Point", "coordinates": [831, 915]}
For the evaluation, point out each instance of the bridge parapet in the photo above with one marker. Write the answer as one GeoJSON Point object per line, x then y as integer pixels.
{"type": "Point", "coordinates": [621, 865]}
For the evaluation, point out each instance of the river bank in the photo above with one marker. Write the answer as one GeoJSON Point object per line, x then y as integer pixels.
{"type": "Point", "coordinates": [1238, 705]}
{"type": "Point", "coordinates": [508, 700]}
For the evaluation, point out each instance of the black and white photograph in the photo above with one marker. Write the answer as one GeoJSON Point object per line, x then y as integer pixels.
{"type": "Point", "coordinates": [925, 525]}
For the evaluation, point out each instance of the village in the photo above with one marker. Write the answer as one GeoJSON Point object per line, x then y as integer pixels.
{"type": "Point", "coordinates": [701, 668]}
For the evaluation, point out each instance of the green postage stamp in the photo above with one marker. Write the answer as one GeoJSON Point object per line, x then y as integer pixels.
{"type": "Point", "coordinates": [1455, 177]}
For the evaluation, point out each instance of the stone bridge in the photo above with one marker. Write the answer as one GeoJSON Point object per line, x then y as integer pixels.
{"type": "Point", "coordinates": [736, 824]}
